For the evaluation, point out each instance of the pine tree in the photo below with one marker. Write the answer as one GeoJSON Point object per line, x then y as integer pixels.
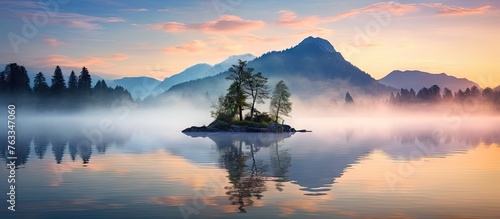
{"type": "Point", "coordinates": [41, 90]}
{"type": "Point", "coordinates": [58, 84]}
{"type": "Point", "coordinates": [72, 83]}
{"type": "Point", "coordinates": [2, 83]}
{"type": "Point", "coordinates": [16, 79]}
{"type": "Point", "coordinates": [349, 100]}
{"type": "Point", "coordinates": [84, 82]}
{"type": "Point", "coordinates": [447, 94]}
{"type": "Point", "coordinates": [239, 74]}
{"type": "Point", "coordinates": [40, 86]}
{"type": "Point", "coordinates": [280, 101]}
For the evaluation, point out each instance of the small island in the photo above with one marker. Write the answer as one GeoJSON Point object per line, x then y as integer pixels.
{"type": "Point", "coordinates": [228, 110]}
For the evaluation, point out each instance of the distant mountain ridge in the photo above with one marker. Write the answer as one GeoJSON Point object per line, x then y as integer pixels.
{"type": "Point", "coordinates": [139, 87]}
{"type": "Point", "coordinates": [311, 68]}
{"type": "Point", "coordinates": [142, 86]}
{"type": "Point", "coordinates": [418, 79]}
{"type": "Point", "coordinates": [201, 70]}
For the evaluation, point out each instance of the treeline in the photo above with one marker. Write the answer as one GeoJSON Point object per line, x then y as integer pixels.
{"type": "Point", "coordinates": [76, 93]}
{"type": "Point", "coordinates": [434, 95]}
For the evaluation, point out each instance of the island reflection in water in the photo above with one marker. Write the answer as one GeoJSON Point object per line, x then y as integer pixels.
{"type": "Point", "coordinates": [344, 172]}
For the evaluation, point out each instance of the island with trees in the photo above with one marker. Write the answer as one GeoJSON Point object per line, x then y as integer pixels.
{"type": "Point", "coordinates": [246, 90]}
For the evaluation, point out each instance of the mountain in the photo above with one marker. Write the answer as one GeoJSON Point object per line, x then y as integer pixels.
{"type": "Point", "coordinates": [226, 64]}
{"type": "Point", "coordinates": [418, 79]}
{"type": "Point", "coordinates": [191, 73]}
{"type": "Point", "coordinates": [139, 87]}
{"type": "Point", "coordinates": [497, 88]}
{"type": "Point", "coordinates": [311, 68]}
{"type": "Point", "coordinates": [200, 71]}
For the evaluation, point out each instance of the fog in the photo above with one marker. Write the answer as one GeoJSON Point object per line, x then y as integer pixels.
{"type": "Point", "coordinates": [174, 113]}
{"type": "Point", "coordinates": [362, 120]}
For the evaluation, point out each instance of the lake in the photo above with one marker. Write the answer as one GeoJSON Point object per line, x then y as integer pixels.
{"type": "Point", "coordinates": [345, 168]}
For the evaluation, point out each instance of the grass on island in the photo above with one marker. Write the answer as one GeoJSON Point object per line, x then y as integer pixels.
{"type": "Point", "coordinates": [224, 122]}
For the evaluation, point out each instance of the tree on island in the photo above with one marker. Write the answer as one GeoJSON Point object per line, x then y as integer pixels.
{"type": "Point", "coordinates": [280, 101]}
{"type": "Point", "coordinates": [239, 75]}
{"type": "Point", "coordinates": [257, 88]}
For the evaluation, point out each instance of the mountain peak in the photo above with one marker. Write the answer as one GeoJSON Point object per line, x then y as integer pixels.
{"type": "Point", "coordinates": [318, 42]}
{"type": "Point", "coordinates": [234, 58]}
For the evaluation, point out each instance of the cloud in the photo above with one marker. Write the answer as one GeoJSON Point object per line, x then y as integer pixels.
{"type": "Point", "coordinates": [83, 21]}
{"type": "Point", "coordinates": [23, 4]}
{"type": "Point", "coordinates": [257, 39]}
{"type": "Point", "coordinates": [115, 19]}
{"type": "Point", "coordinates": [443, 9]}
{"type": "Point", "coordinates": [225, 24]}
{"type": "Point", "coordinates": [118, 57]}
{"type": "Point", "coordinates": [136, 9]}
{"type": "Point", "coordinates": [393, 7]}
{"type": "Point", "coordinates": [230, 48]}
{"type": "Point", "coordinates": [70, 19]}
{"type": "Point", "coordinates": [54, 42]}
{"type": "Point", "coordinates": [318, 31]}
{"type": "Point", "coordinates": [61, 60]}
{"type": "Point", "coordinates": [193, 47]}
{"type": "Point", "coordinates": [290, 19]}
{"type": "Point", "coordinates": [165, 10]}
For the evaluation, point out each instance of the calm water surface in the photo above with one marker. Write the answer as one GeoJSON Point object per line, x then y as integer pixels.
{"type": "Point", "coordinates": [355, 170]}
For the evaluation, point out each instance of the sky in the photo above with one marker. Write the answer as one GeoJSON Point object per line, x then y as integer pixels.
{"type": "Point", "coordinates": [157, 39]}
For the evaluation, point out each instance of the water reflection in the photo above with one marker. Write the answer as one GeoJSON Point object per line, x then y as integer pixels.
{"type": "Point", "coordinates": [319, 174]}
{"type": "Point", "coordinates": [246, 174]}
{"type": "Point", "coordinates": [59, 135]}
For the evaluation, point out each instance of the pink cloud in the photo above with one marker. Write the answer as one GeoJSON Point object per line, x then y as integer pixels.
{"type": "Point", "coordinates": [61, 60]}
{"type": "Point", "coordinates": [83, 24]}
{"type": "Point", "coordinates": [193, 47]}
{"type": "Point", "coordinates": [118, 57]}
{"type": "Point", "coordinates": [392, 7]}
{"type": "Point", "coordinates": [257, 39]}
{"type": "Point", "coordinates": [226, 23]}
{"type": "Point", "coordinates": [54, 42]}
{"type": "Point", "coordinates": [114, 19]}
{"type": "Point", "coordinates": [171, 27]}
{"type": "Point", "coordinates": [443, 9]}
{"type": "Point", "coordinates": [315, 32]}
{"type": "Point", "coordinates": [230, 48]}
{"type": "Point", "coordinates": [290, 19]}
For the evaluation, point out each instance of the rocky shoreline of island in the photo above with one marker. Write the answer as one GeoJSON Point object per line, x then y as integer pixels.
{"type": "Point", "coordinates": [219, 126]}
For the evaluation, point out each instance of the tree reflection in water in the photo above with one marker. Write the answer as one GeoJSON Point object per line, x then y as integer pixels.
{"type": "Point", "coordinates": [247, 174]}
{"type": "Point", "coordinates": [280, 163]}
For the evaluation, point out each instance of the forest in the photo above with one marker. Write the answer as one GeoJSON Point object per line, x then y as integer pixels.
{"type": "Point", "coordinates": [433, 95]}
{"type": "Point", "coordinates": [75, 94]}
